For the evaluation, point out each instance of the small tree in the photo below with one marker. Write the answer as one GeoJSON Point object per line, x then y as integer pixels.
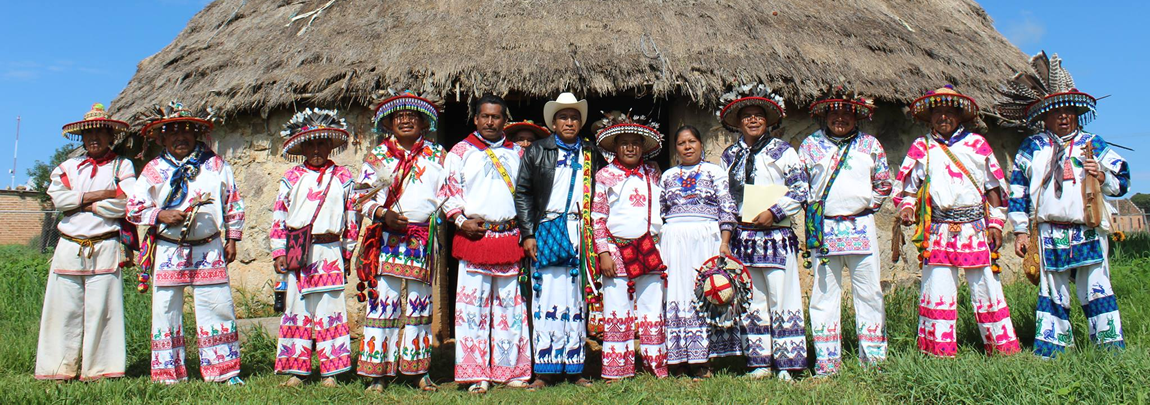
{"type": "Point", "coordinates": [41, 173]}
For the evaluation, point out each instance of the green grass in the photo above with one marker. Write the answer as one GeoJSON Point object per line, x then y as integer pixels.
{"type": "Point", "coordinates": [1084, 375]}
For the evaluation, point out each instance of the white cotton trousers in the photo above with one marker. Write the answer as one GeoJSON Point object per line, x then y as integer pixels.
{"type": "Point", "coordinates": [1099, 305]}
{"type": "Point", "coordinates": [938, 311]}
{"type": "Point", "coordinates": [826, 310]}
{"type": "Point", "coordinates": [489, 344]}
{"type": "Point", "coordinates": [774, 327]}
{"type": "Point", "coordinates": [82, 328]}
{"type": "Point", "coordinates": [397, 333]}
{"type": "Point", "coordinates": [216, 333]}
{"type": "Point", "coordinates": [622, 314]}
{"type": "Point", "coordinates": [313, 322]}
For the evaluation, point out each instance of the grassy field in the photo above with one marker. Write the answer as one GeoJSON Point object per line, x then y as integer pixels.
{"type": "Point", "coordinates": [1084, 375]}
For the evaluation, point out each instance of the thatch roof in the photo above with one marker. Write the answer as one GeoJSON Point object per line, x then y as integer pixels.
{"type": "Point", "coordinates": [249, 58]}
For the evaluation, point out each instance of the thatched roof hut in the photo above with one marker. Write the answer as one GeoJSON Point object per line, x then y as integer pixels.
{"type": "Point", "coordinates": [256, 56]}
{"type": "Point", "coordinates": [258, 61]}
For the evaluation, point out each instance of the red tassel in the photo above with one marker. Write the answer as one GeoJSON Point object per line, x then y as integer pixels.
{"type": "Point", "coordinates": [490, 250]}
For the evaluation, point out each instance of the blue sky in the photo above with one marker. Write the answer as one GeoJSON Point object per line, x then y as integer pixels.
{"type": "Point", "coordinates": [56, 61]}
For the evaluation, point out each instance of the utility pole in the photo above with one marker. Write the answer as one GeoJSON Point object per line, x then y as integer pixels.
{"type": "Point", "coordinates": [15, 150]}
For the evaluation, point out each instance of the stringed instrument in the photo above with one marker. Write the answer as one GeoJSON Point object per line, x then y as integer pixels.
{"type": "Point", "coordinates": [1093, 205]}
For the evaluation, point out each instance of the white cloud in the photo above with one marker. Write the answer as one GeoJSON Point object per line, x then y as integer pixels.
{"type": "Point", "coordinates": [1025, 31]}
{"type": "Point", "coordinates": [30, 70]}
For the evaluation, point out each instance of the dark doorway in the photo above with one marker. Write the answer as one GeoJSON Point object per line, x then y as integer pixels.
{"type": "Point", "coordinates": [455, 121]}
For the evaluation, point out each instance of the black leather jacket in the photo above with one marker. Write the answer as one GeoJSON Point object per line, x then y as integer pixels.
{"type": "Point", "coordinates": [537, 176]}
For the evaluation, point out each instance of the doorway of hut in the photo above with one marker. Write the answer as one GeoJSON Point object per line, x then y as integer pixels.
{"type": "Point", "coordinates": [455, 124]}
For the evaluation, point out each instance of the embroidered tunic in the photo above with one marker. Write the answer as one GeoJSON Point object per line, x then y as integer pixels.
{"type": "Point", "coordinates": [620, 207]}
{"type": "Point", "coordinates": [698, 191]}
{"type": "Point", "coordinates": [300, 191]}
{"type": "Point", "coordinates": [776, 163]}
{"type": "Point", "coordinates": [405, 256]}
{"type": "Point", "coordinates": [224, 215]}
{"type": "Point", "coordinates": [70, 181]}
{"type": "Point", "coordinates": [961, 242]}
{"type": "Point", "coordinates": [475, 188]}
{"type": "Point", "coordinates": [860, 188]}
{"type": "Point", "coordinates": [1065, 239]}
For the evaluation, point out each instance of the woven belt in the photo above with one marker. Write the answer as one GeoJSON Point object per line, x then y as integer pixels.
{"type": "Point", "coordinates": [959, 215]}
{"type": "Point", "coordinates": [499, 226]}
{"type": "Point", "coordinates": [188, 242]}
{"type": "Point", "coordinates": [90, 243]}
{"type": "Point", "coordinates": [325, 238]}
{"type": "Point", "coordinates": [864, 213]}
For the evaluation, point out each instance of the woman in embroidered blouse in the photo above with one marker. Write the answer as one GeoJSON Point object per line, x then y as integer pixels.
{"type": "Point", "coordinates": [699, 214]}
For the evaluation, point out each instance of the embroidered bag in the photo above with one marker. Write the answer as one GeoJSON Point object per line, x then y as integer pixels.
{"type": "Point", "coordinates": [641, 256]}
{"type": "Point", "coordinates": [129, 236]}
{"type": "Point", "coordinates": [554, 240]}
{"type": "Point", "coordinates": [299, 240]}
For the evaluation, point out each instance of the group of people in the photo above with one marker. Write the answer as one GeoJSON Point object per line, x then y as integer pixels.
{"type": "Point", "coordinates": [570, 235]}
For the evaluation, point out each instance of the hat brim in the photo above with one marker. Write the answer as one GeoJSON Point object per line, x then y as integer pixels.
{"type": "Point", "coordinates": [921, 107]}
{"type": "Point", "coordinates": [729, 115]}
{"type": "Point", "coordinates": [652, 139]}
{"type": "Point", "coordinates": [75, 130]}
{"type": "Point", "coordinates": [822, 107]}
{"type": "Point", "coordinates": [539, 131]}
{"type": "Point", "coordinates": [293, 144]}
{"type": "Point", "coordinates": [1083, 103]}
{"type": "Point", "coordinates": [553, 107]}
{"type": "Point", "coordinates": [152, 130]}
{"type": "Point", "coordinates": [407, 102]}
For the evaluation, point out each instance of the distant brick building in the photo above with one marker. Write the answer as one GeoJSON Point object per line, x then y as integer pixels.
{"type": "Point", "coordinates": [1127, 217]}
{"type": "Point", "coordinates": [24, 218]}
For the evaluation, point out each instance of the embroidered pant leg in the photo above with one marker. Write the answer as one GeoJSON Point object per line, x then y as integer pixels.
{"type": "Point", "coordinates": [618, 329]}
{"type": "Point", "coordinates": [757, 321]}
{"type": "Point", "coordinates": [991, 312]}
{"type": "Point", "coordinates": [472, 326]}
{"type": "Point", "coordinates": [1052, 318]}
{"type": "Point", "coordinates": [295, 343]}
{"type": "Point", "coordinates": [415, 355]}
{"type": "Point", "coordinates": [652, 335]}
{"type": "Point", "coordinates": [1099, 304]}
{"type": "Point", "coordinates": [332, 335]}
{"type": "Point", "coordinates": [168, 335]}
{"type": "Point", "coordinates": [788, 325]}
{"type": "Point", "coordinates": [216, 333]}
{"type": "Point", "coordinates": [826, 313]}
{"type": "Point", "coordinates": [510, 354]}
{"type": "Point", "coordinates": [82, 324]}
{"type": "Point", "coordinates": [380, 346]}
{"type": "Point", "coordinates": [557, 314]}
{"type": "Point", "coordinates": [937, 311]}
{"type": "Point", "coordinates": [870, 311]}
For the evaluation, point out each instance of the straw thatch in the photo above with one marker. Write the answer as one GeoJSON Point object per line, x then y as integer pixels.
{"type": "Point", "coordinates": [246, 56]}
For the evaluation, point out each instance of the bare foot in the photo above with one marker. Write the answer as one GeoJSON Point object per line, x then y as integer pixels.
{"type": "Point", "coordinates": [292, 382]}
{"type": "Point", "coordinates": [329, 382]}
{"type": "Point", "coordinates": [583, 382]}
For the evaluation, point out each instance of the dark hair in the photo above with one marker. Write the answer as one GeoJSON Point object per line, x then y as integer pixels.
{"type": "Point", "coordinates": [686, 128]}
{"type": "Point", "coordinates": [489, 98]}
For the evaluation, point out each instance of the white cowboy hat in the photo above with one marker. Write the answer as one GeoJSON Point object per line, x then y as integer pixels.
{"type": "Point", "coordinates": [564, 101]}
